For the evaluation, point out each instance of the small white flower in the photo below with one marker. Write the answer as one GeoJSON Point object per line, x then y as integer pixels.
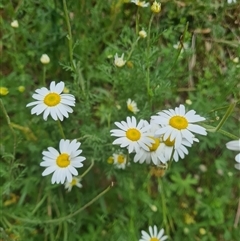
{"type": "Point", "coordinates": [14, 24]}
{"type": "Point", "coordinates": [178, 124]}
{"type": "Point", "coordinates": [142, 4]}
{"type": "Point", "coordinates": [235, 146]}
{"type": "Point", "coordinates": [132, 135]}
{"type": "Point", "coordinates": [142, 34]}
{"type": "Point", "coordinates": [45, 59]}
{"type": "Point", "coordinates": [155, 152]}
{"type": "Point", "coordinates": [179, 151]}
{"type": "Point", "coordinates": [52, 102]}
{"type": "Point", "coordinates": [63, 165]}
{"type": "Point", "coordinates": [132, 106]}
{"type": "Point", "coordinates": [118, 61]}
{"type": "Point", "coordinates": [153, 235]}
{"type": "Point", "coordinates": [75, 182]}
{"type": "Point", "coordinates": [119, 161]}
{"type": "Point", "coordinates": [231, 1]}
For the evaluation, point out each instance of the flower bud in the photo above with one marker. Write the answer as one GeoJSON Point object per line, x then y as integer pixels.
{"type": "Point", "coordinates": [45, 59]}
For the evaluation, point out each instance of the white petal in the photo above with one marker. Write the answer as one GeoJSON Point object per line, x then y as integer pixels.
{"type": "Point", "coordinates": [48, 170]}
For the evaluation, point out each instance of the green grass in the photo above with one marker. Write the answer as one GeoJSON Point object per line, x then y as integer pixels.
{"type": "Point", "coordinates": [191, 201]}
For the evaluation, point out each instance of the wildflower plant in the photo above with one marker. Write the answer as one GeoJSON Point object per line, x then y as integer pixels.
{"type": "Point", "coordinates": [108, 150]}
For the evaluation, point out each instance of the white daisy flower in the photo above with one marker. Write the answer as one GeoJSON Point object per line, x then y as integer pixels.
{"type": "Point", "coordinates": [52, 102]}
{"type": "Point", "coordinates": [132, 135]}
{"type": "Point", "coordinates": [132, 106]}
{"type": "Point", "coordinates": [231, 1]}
{"type": "Point", "coordinates": [119, 161]}
{"type": "Point", "coordinates": [142, 4]}
{"type": "Point", "coordinates": [118, 61]}
{"type": "Point", "coordinates": [155, 152]}
{"type": "Point", "coordinates": [235, 146]}
{"type": "Point", "coordinates": [63, 165]}
{"type": "Point", "coordinates": [177, 124]}
{"type": "Point", "coordinates": [75, 182]}
{"type": "Point", "coordinates": [179, 151]}
{"type": "Point", "coordinates": [153, 235]}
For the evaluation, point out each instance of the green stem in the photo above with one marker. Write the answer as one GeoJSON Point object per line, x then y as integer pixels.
{"type": "Point", "coordinates": [69, 36]}
{"type": "Point", "coordinates": [64, 218]}
{"type": "Point", "coordinates": [39, 204]}
{"type": "Point", "coordinates": [221, 123]}
{"type": "Point", "coordinates": [164, 207]}
{"type": "Point", "coordinates": [149, 92]}
{"type": "Point", "coordinates": [89, 168]}
{"type": "Point", "coordinates": [132, 48]}
{"type": "Point", "coordinates": [61, 129]}
{"type": "Point", "coordinates": [10, 127]}
{"type": "Point", "coordinates": [137, 20]}
{"type": "Point", "coordinates": [179, 51]}
{"type": "Point", "coordinates": [44, 76]}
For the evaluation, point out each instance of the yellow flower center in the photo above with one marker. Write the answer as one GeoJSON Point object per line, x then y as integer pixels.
{"type": "Point", "coordinates": [130, 107]}
{"type": "Point", "coordinates": [110, 160]}
{"type": "Point", "coordinates": [168, 142]}
{"type": "Point", "coordinates": [155, 145]}
{"type": "Point", "coordinates": [133, 134]}
{"type": "Point", "coordinates": [52, 99]}
{"type": "Point", "coordinates": [63, 160]}
{"type": "Point", "coordinates": [178, 122]}
{"type": "Point", "coordinates": [154, 239]}
{"type": "Point", "coordinates": [74, 182]}
{"type": "Point", "coordinates": [120, 159]}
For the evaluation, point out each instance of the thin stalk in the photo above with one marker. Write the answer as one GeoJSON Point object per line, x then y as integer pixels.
{"type": "Point", "coordinates": [64, 218]}
{"type": "Point", "coordinates": [61, 129]}
{"type": "Point", "coordinates": [89, 168]}
{"type": "Point", "coordinates": [10, 127]}
{"type": "Point", "coordinates": [137, 20]}
{"type": "Point", "coordinates": [44, 76]}
{"type": "Point", "coordinates": [39, 204]}
{"type": "Point", "coordinates": [221, 123]}
{"type": "Point", "coordinates": [69, 36]}
{"type": "Point", "coordinates": [164, 207]}
{"type": "Point", "coordinates": [148, 55]}
{"type": "Point", "coordinates": [179, 51]}
{"type": "Point", "coordinates": [132, 48]}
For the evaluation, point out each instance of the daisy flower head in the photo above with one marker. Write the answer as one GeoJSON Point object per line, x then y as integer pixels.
{"type": "Point", "coordinates": [132, 106]}
{"type": "Point", "coordinates": [153, 235]}
{"type": "Point", "coordinates": [156, 7]}
{"type": "Point", "coordinates": [178, 124]}
{"type": "Point", "coordinates": [119, 161]}
{"type": "Point", "coordinates": [75, 182]}
{"type": "Point", "coordinates": [155, 152]}
{"type": "Point", "coordinates": [52, 102]}
{"type": "Point", "coordinates": [235, 146]}
{"type": "Point", "coordinates": [142, 4]}
{"type": "Point", "coordinates": [62, 164]}
{"type": "Point", "coordinates": [119, 61]}
{"type": "Point", "coordinates": [178, 152]}
{"type": "Point", "coordinates": [131, 135]}
{"type": "Point", "coordinates": [3, 90]}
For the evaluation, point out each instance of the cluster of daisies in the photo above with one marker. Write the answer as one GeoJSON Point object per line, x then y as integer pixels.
{"type": "Point", "coordinates": [61, 164]}
{"type": "Point", "coordinates": [167, 136]}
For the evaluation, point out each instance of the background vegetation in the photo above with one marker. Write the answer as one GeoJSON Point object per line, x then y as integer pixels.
{"type": "Point", "coordinates": [197, 198]}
